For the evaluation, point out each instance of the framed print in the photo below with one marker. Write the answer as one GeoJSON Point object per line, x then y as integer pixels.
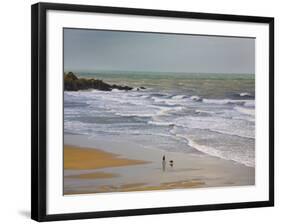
{"type": "Point", "coordinates": [139, 111]}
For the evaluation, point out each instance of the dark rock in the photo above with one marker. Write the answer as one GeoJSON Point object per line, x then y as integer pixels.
{"type": "Point", "coordinates": [73, 83]}
{"type": "Point", "coordinates": [121, 87]}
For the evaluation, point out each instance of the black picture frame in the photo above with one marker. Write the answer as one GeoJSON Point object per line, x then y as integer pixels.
{"type": "Point", "coordinates": [39, 107]}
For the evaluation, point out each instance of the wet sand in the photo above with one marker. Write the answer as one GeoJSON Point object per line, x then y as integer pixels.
{"type": "Point", "coordinates": [84, 158]}
{"type": "Point", "coordinates": [78, 158]}
{"type": "Point", "coordinates": [90, 170]}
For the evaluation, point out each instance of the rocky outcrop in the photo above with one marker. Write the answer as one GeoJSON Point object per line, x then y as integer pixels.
{"type": "Point", "coordinates": [73, 83]}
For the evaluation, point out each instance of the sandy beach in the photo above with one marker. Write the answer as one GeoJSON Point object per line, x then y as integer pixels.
{"type": "Point", "coordinates": [78, 158]}
{"type": "Point", "coordinates": [90, 170]}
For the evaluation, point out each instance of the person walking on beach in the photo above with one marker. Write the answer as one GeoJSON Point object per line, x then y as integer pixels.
{"type": "Point", "coordinates": [163, 163]}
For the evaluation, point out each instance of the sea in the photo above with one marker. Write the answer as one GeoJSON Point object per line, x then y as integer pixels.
{"type": "Point", "coordinates": [208, 114]}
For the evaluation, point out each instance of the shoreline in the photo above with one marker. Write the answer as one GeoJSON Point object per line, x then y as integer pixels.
{"type": "Point", "coordinates": [131, 168]}
{"type": "Point", "coordinates": [78, 158]}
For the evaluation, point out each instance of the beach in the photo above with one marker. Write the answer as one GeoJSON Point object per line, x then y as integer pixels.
{"type": "Point", "coordinates": [89, 170]}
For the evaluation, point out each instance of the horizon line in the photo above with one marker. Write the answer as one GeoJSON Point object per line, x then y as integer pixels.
{"type": "Point", "coordinates": [160, 72]}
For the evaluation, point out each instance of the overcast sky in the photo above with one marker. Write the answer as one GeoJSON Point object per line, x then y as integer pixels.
{"type": "Point", "coordinates": [95, 50]}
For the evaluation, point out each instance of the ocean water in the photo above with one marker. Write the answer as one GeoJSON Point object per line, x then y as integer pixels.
{"type": "Point", "coordinates": [210, 114]}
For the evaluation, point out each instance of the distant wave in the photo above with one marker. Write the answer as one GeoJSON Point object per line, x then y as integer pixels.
{"type": "Point", "coordinates": [204, 112]}
{"type": "Point", "coordinates": [226, 101]}
{"type": "Point", "coordinates": [117, 90]}
{"type": "Point", "coordinates": [196, 98]}
{"type": "Point", "coordinates": [161, 123]}
{"type": "Point", "coordinates": [245, 94]}
{"type": "Point", "coordinates": [168, 110]}
{"type": "Point", "coordinates": [144, 96]}
{"type": "Point", "coordinates": [170, 102]}
{"type": "Point", "coordinates": [179, 97]}
{"type": "Point", "coordinates": [245, 110]}
{"type": "Point", "coordinates": [124, 114]}
{"type": "Point", "coordinates": [249, 103]}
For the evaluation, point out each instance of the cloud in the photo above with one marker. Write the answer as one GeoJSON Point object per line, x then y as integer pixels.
{"type": "Point", "coordinates": [91, 50]}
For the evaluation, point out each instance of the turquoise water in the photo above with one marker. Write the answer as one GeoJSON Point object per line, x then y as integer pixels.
{"type": "Point", "coordinates": [206, 85]}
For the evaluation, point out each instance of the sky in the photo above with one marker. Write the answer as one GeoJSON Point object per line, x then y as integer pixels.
{"type": "Point", "coordinates": [102, 50]}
